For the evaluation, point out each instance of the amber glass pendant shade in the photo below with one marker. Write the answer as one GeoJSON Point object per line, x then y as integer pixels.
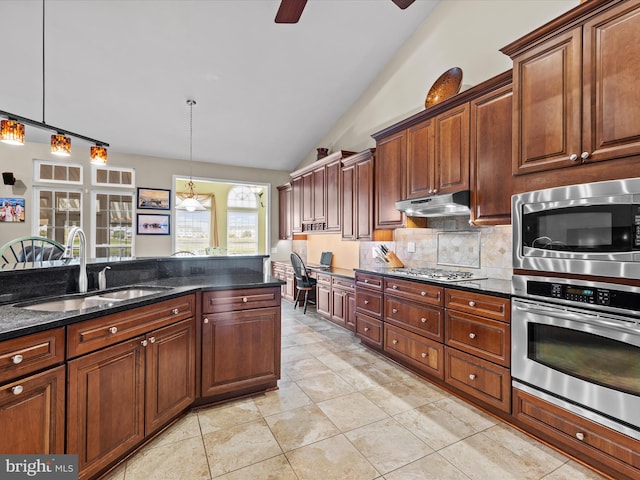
{"type": "Point", "coordinates": [61, 145]}
{"type": "Point", "coordinates": [99, 155]}
{"type": "Point", "coordinates": [12, 132]}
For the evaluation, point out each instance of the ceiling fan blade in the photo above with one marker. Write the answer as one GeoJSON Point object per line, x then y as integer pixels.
{"type": "Point", "coordinates": [290, 11]}
{"type": "Point", "coordinates": [403, 3]}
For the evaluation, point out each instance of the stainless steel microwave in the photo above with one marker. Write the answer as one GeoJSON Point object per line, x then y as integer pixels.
{"type": "Point", "coordinates": [591, 229]}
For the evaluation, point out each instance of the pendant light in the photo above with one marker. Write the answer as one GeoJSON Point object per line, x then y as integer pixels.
{"type": "Point", "coordinates": [11, 132]}
{"type": "Point", "coordinates": [191, 203]}
{"type": "Point", "coordinates": [60, 145]}
{"type": "Point", "coordinates": [99, 155]}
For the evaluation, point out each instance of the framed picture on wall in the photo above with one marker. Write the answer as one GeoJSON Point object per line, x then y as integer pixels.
{"type": "Point", "coordinates": [12, 210]}
{"type": "Point", "coordinates": [148, 224]}
{"type": "Point", "coordinates": [154, 198]}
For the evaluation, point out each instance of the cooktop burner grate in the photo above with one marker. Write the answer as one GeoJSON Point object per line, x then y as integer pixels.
{"type": "Point", "coordinates": [437, 274]}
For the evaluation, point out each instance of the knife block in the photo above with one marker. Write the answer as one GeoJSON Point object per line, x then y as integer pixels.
{"type": "Point", "coordinates": [394, 261]}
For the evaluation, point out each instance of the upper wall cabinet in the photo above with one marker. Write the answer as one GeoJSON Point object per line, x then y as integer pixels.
{"type": "Point", "coordinates": [575, 89]}
{"type": "Point", "coordinates": [284, 212]}
{"type": "Point", "coordinates": [452, 150]}
{"type": "Point", "coordinates": [357, 196]}
{"type": "Point", "coordinates": [389, 177]}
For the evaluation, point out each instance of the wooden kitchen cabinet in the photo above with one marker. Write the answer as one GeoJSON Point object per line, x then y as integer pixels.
{"type": "Point", "coordinates": [490, 157]}
{"type": "Point", "coordinates": [452, 150]}
{"type": "Point", "coordinates": [296, 205]}
{"type": "Point", "coordinates": [389, 177]}
{"type": "Point", "coordinates": [332, 196]}
{"type": "Point", "coordinates": [575, 94]}
{"type": "Point", "coordinates": [343, 303]}
{"type": "Point", "coordinates": [369, 306]}
{"type": "Point", "coordinates": [240, 341]}
{"type": "Point", "coordinates": [421, 175]}
{"type": "Point", "coordinates": [308, 206]}
{"type": "Point", "coordinates": [284, 271]}
{"type": "Point", "coordinates": [284, 212]}
{"type": "Point", "coordinates": [357, 196]}
{"type": "Point", "coordinates": [416, 350]}
{"type": "Point", "coordinates": [323, 295]}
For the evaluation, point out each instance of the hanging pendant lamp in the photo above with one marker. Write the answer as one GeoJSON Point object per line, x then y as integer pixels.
{"type": "Point", "coordinates": [99, 155]}
{"type": "Point", "coordinates": [60, 145]}
{"type": "Point", "coordinates": [11, 132]}
{"type": "Point", "coordinates": [191, 203]}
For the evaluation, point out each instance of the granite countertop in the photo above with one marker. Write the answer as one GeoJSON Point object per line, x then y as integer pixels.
{"type": "Point", "coordinates": [16, 321]}
{"type": "Point", "coordinates": [492, 286]}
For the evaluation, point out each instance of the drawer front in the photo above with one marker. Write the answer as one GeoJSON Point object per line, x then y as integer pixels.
{"type": "Point", "coordinates": [85, 337]}
{"type": "Point", "coordinates": [484, 380]}
{"type": "Point", "coordinates": [416, 317]}
{"type": "Point", "coordinates": [369, 303]}
{"type": "Point", "coordinates": [242, 299]}
{"type": "Point", "coordinates": [24, 355]}
{"type": "Point", "coordinates": [479, 336]}
{"type": "Point", "coordinates": [479, 304]}
{"type": "Point", "coordinates": [369, 330]}
{"type": "Point", "coordinates": [592, 440]}
{"type": "Point", "coordinates": [420, 292]}
{"type": "Point", "coordinates": [414, 349]}
{"type": "Point", "coordinates": [344, 283]}
{"type": "Point", "coordinates": [367, 280]}
{"type": "Point", "coordinates": [323, 278]}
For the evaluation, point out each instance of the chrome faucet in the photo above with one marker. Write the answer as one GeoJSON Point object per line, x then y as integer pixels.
{"type": "Point", "coordinates": [68, 254]}
{"type": "Point", "coordinates": [102, 278]}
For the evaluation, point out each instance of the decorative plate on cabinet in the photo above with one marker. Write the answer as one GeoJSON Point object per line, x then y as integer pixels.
{"type": "Point", "coordinates": [446, 86]}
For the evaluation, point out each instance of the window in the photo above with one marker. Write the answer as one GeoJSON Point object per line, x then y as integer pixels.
{"type": "Point", "coordinates": [192, 230]}
{"type": "Point", "coordinates": [242, 221]}
{"type": "Point", "coordinates": [53, 172]}
{"type": "Point", "coordinates": [113, 224]}
{"type": "Point", "coordinates": [113, 176]}
{"type": "Point", "coordinates": [56, 212]}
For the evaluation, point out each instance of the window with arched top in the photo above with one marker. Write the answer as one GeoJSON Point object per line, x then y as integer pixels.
{"type": "Point", "coordinates": [242, 221]}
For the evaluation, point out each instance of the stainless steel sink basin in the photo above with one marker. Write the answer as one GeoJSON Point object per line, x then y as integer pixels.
{"type": "Point", "coordinates": [93, 300]}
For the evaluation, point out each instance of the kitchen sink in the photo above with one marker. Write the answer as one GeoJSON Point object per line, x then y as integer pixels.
{"type": "Point", "coordinates": [94, 300]}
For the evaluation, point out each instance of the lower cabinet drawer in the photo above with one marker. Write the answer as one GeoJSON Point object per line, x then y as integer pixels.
{"type": "Point", "coordinates": [479, 336]}
{"type": "Point", "coordinates": [486, 381]}
{"type": "Point", "coordinates": [369, 330]}
{"type": "Point", "coordinates": [24, 355]}
{"type": "Point", "coordinates": [241, 299]}
{"type": "Point", "coordinates": [414, 349]}
{"type": "Point", "coordinates": [416, 317]}
{"type": "Point", "coordinates": [593, 441]}
{"type": "Point", "coordinates": [369, 302]}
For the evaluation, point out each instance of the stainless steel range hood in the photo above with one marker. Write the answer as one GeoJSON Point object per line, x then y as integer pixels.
{"type": "Point", "coordinates": [437, 205]}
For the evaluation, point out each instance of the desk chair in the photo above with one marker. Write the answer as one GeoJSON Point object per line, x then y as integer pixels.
{"type": "Point", "coordinates": [303, 281]}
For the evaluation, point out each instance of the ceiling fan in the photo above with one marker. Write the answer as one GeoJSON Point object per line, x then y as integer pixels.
{"type": "Point", "coordinates": [290, 10]}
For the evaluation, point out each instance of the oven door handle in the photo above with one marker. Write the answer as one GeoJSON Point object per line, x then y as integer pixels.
{"type": "Point", "coordinates": [556, 312]}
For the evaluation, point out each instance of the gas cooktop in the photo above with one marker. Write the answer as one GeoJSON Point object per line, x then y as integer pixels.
{"type": "Point", "coordinates": [437, 274]}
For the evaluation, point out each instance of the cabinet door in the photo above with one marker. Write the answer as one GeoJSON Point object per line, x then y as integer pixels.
{"type": "Point", "coordinates": [32, 414]}
{"type": "Point", "coordinates": [170, 373]}
{"type": "Point", "coordinates": [323, 300]}
{"type": "Point", "coordinates": [284, 212]}
{"type": "Point", "coordinates": [105, 405]}
{"type": "Point", "coordinates": [307, 197]}
{"type": "Point", "coordinates": [420, 159]}
{"type": "Point", "coordinates": [390, 180]}
{"type": "Point", "coordinates": [339, 306]}
{"type": "Point", "coordinates": [296, 205]}
{"type": "Point", "coordinates": [332, 200]}
{"type": "Point", "coordinates": [240, 350]}
{"type": "Point", "coordinates": [611, 125]}
{"type": "Point", "coordinates": [318, 180]}
{"type": "Point", "coordinates": [491, 177]}
{"type": "Point", "coordinates": [350, 319]}
{"type": "Point", "coordinates": [547, 101]}
{"type": "Point", "coordinates": [364, 199]}
{"type": "Point", "coordinates": [348, 202]}
{"type": "Point", "coordinates": [452, 150]}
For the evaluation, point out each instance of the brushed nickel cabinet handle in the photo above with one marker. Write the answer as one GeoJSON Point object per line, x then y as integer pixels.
{"type": "Point", "coordinates": [573, 157]}
{"type": "Point", "coordinates": [394, 310]}
{"type": "Point", "coordinates": [152, 339]}
{"type": "Point", "coordinates": [472, 376]}
{"type": "Point", "coordinates": [472, 335]}
{"type": "Point", "coordinates": [580, 436]}
{"type": "Point", "coordinates": [584, 155]}
{"type": "Point", "coordinates": [472, 303]}
{"type": "Point", "coordinates": [424, 294]}
{"type": "Point", "coordinates": [366, 280]}
{"type": "Point", "coordinates": [394, 341]}
{"type": "Point", "coordinates": [423, 320]}
{"type": "Point", "coordinates": [16, 359]}
{"type": "Point", "coordinates": [144, 343]}
{"type": "Point", "coordinates": [366, 329]}
{"type": "Point", "coordinates": [175, 311]}
{"type": "Point", "coordinates": [424, 355]}
{"type": "Point", "coordinates": [205, 321]}
{"type": "Point", "coordinates": [245, 299]}
{"type": "Point", "coordinates": [366, 302]}
{"type": "Point", "coordinates": [395, 287]}
{"type": "Point", "coordinates": [113, 330]}
{"type": "Point", "coordinates": [17, 390]}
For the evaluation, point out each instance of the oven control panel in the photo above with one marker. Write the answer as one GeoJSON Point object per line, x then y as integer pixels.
{"type": "Point", "coordinates": [582, 294]}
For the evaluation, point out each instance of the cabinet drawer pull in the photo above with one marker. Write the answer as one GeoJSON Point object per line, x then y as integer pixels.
{"type": "Point", "coordinates": [144, 343]}
{"type": "Point", "coordinates": [152, 339]}
{"type": "Point", "coordinates": [245, 299]}
{"type": "Point", "coordinates": [366, 302]}
{"type": "Point", "coordinates": [423, 320]}
{"type": "Point", "coordinates": [472, 335]}
{"type": "Point", "coordinates": [584, 155]}
{"type": "Point", "coordinates": [394, 310]}
{"type": "Point", "coordinates": [394, 341]}
{"type": "Point", "coordinates": [573, 157]}
{"type": "Point", "coordinates": [16, 359]}
{"type": "Point", "coordinates": [395, 287]}
{"type": "Point", "coordinates": [17, 390]}
{"type": "Point", "coordinates": [424, 355]}
{"type": "Point", "coordinates": [472, 376]}
{"type": "Point", "coordinates": [113, 330]}
{"type": "Point", "coordinates": [424, 294]}
{"type": "Point", "coordinates": [175, 311]}
{"type": "Point", "coordinates": [205, 321]}
{"type": "Point", "coordinates": [472, 303]}
{"type": "Point", "coordinates": [366, 329]}
{"type": "Point", "coordinates": [580, 436]}
{"type": "Point", "coordinates": [366, 280]}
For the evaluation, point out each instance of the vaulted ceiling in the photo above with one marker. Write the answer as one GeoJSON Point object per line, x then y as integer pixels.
{"type": "Point", "coordinates": [121, 71]}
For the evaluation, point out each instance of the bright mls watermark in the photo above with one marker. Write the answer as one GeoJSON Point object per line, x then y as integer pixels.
{"type": "Point", "coordinates": [39, 467]}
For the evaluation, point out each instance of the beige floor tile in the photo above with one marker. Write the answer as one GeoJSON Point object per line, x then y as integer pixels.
{"type": "Point", "coordinates": [398, 397]}
{"type": "Point", "coordinates": [321, 348]}
{"type": "Point", "coordinates": [307, 367]}
{"type": "Point", "coordinates": [167, 462]}
{"type": "Point", "coordinates": [276, 468]}
{"type": "Point", "coordinates": [351, 411]}
{"type": "Point", "coordinates": [331, 459]}
{"type": "Point", "coordinates": [300, 427]}
{"type": "Point", "coordinates": [341, 361]}
{"type": "Point", "coordinates": [573, 471]}
{"type": "Point", "coordinates": [431, 467]}
{"type": "Point", "coordinates": [287, 397]}
{"type": "Point", "coordinates": [467, 413]}
{"type": "Point", "coordinates": [504, 454]}
{"type": "Point", "coordinates": [227, 415]}
{"type": "Point", "coordinates": [289, 341]}
{"type": "Point", "coordinates": [325, 386]}
{"type": "Point", "coordinates": [294, 353]}
{"type": "Point", "coordinates": [240, 446]}
{"type": "Point", "coordinates": [388, 445]}
{"type": "Point", "coordinates": [434, 426]}
{"type": "Point", "coordinates": [187, 427]}
{"type": "Point", "coordinates": [364, 377]}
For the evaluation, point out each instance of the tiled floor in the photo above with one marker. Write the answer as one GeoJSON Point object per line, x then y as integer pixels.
{"type": "Point", "coordinates": [343, 412]}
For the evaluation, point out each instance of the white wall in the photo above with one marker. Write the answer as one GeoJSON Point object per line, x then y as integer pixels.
{"type": "Point", "coordinates": [459, 33]}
